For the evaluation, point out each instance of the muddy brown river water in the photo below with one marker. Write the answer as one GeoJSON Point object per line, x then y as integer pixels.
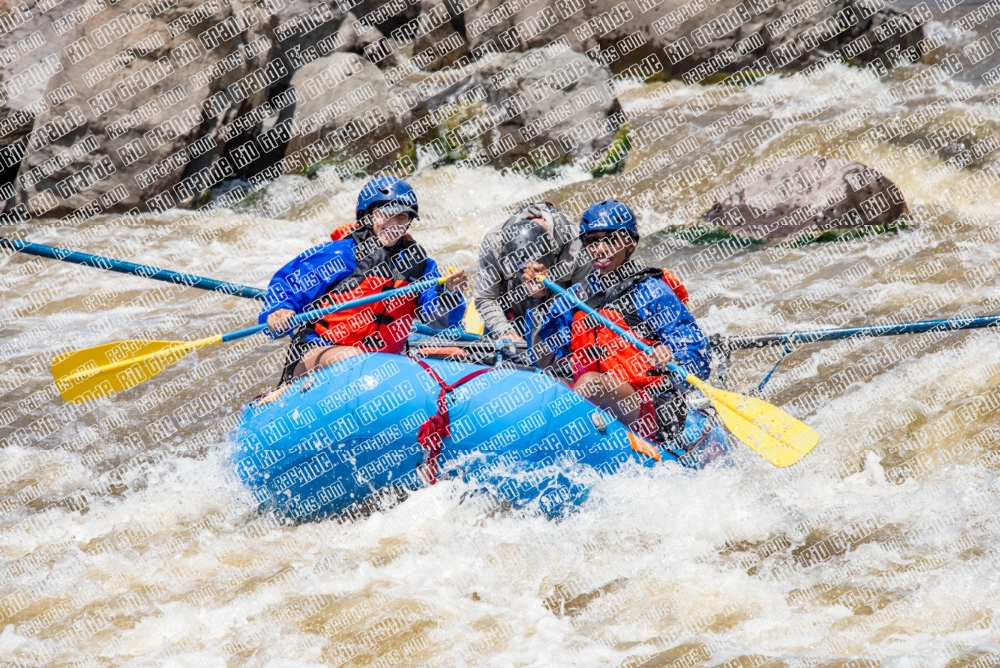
{"type": "Point", "coordinates": [125, 538]}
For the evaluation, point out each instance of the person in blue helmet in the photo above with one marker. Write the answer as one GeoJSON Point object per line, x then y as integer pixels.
{"type": "Point", "coordinates": [371, 255]}
{"type": "Point", "coordinates": [649, 303]}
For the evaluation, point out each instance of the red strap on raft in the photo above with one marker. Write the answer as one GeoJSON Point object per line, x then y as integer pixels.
{"type": "Point", "coordinates": [438, 426]}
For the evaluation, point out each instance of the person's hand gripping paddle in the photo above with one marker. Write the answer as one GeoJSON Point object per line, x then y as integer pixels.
{"type": "Point", "coordinates": [777, 436]}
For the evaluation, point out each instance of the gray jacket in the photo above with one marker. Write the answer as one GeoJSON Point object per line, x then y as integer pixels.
{"type": "Point", "coordinates": [497, 291]}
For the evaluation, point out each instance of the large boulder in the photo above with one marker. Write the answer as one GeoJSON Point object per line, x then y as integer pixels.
{"type": "Point", "coordinates": [515, 109]}
{"type": "Point", "coordinates": [696, 39]}
{"type": "Point", "coordinates": [311, 29]}
{"type": "Point", "coordinates": [343, 117]}
{"type": "Point", "coordinates": [32, 45]}
{"type": "Point", "coordinates": [148, 90]}
{"type": "Point", "coordinates": [807, 192]}
{"type": "Point", "coordinates": [306, 34]}
{"type": "Point", "coordinates": [441, 42]}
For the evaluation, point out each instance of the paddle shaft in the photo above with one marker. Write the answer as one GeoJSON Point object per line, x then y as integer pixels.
{"type": "Point", "coordinates": [453, 333]}
{"type": "Point", "coordinates": [157, 274]}
{"type": "Point", "coordinates": [729, 343]}
{"type": "Point", "coordinates": [185, 347]}
{"type": "Point", "coordinates": [145, 271]}
{"type": "Point", "coordinates": [586, 308]}
{"type": "Point", "coordinates": [726, 343]}
{"type": "Point", "coordinates": [306, 316]}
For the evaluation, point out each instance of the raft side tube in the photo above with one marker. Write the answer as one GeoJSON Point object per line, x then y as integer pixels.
{"type": "Point", "coordinates": [337, 437]}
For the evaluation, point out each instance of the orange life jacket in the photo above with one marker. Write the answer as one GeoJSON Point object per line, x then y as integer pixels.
{"type": "Point", "coordinates": [594, 347]}
{"type": "Point", "coordinates": [343, 231]}
{"type": "Point", "coordinates": [381, 327]}
{"type": "Point", "coordinates": [675, 284]}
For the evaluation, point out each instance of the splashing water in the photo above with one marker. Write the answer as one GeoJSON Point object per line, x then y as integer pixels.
{"type": "Point", "coordinates": [126, 539]}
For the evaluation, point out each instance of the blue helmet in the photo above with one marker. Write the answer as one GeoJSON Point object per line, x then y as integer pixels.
{"type": "Point", "coordinates": [606, 216]}
{"type": "Point", "coordinates": [386, 190]}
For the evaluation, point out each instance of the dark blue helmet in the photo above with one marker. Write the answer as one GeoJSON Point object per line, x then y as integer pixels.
{"type": "Point", "coordinates": [384, 191]}
{"type": "Point", "coordinates": [606, 216]}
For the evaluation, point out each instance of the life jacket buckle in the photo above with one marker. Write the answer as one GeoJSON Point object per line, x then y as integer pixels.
{"type": "Point", "coordinates": [594, 353]}
{"type": "Point", "coordinates": [373, 341]}
{"type": "Point", "coordinates": [671, 411]}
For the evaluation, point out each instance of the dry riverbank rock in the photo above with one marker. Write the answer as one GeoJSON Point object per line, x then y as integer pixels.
{"type": "Point", "coordinates": [143, 91]}
{"type": "Point", "coordinates": [694, 39]}
{"type": "Point", "coordinates": [804, 192]}
{"type": "Point", "coordinates": [343, 116]}
{"type": "Point", "coordinates": [443, 44]}
{"type": "Point", "coordinates": [311, 29]}
{"type": "Point", "coordinates": [522, 110]}
{"type": "Point", "coordinates": [30, 50]}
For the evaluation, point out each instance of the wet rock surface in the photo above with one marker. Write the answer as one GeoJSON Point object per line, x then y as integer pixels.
{"type": "Point", "coordinates": [807, 192]}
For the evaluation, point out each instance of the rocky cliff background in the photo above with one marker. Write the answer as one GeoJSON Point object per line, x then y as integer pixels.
{"type": "Point", "coordinates": [144, 105]}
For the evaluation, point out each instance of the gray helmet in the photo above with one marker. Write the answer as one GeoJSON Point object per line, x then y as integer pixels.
{"type": "Point", "coordinates": [527, 242]}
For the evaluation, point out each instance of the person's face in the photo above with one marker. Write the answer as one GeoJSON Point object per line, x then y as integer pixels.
{"type": "Point", "coordinates": [389, 229]}
{"type": "Point", "coordinates": [608, 250]}
{"type": "Point", "coordinates": [540, 221]}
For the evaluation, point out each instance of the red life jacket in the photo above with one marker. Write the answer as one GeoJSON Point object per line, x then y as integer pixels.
{"type": "Point", "coordinates": [383, 326]}
{"type": "Point", "coordinates": [594, 347]}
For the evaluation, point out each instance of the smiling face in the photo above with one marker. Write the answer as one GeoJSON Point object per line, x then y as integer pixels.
{"type": "Point", "coordinates": [389, 229]}
{"type": "Point", "coordinates": [608, 250]}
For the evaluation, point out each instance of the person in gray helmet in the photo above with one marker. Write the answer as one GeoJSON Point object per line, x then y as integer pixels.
{"type": "Point", "coordinates": [541, 235]}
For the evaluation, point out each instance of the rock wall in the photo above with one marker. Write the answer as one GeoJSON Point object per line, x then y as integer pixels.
{"type": "Point", "coordinates": [695, 39]}
{"type": "Point", "coordinates": [31, 55]}
{"type": "Point", "coordinates": [135, 128]}
{"type": "Point", "coordinates": [147, 103]}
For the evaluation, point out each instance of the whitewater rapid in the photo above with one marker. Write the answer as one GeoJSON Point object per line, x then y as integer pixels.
{"type": "Point", "coordinates": [125, 538]}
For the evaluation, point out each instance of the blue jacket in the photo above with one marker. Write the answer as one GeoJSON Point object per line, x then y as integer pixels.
{"type": "Point", "coordinates": [309, 276]}
{"type": "Point", "coordinates": [656, 304]}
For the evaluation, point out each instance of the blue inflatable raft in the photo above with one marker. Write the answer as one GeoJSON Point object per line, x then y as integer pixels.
{"type": "Point", "coordinates": [338, 437]}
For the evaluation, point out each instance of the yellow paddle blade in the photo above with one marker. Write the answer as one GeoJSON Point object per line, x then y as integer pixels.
{"type": "Point", "coordinates": [91, 373]}
{"type": "Point", "coordinates": [776, 435]}
{"type": "Point", "coordinates": [473, 323]}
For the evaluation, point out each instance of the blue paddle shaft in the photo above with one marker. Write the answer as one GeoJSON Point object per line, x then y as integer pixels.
{"type": "Point", "coordinates": [894, 329]}
{"type": "Point", "coordinates": [454, 333]}
{"type": "Point", "coordinates": [586, 308]}
{"type": "Point", "coordinates": [155, 273]}
{"type": "Point", "coordinates": [725, 342]}
{"type": "Point", "coordinates": [319, 313]}
{"type": "Point", "coordinates": [142, 270]}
